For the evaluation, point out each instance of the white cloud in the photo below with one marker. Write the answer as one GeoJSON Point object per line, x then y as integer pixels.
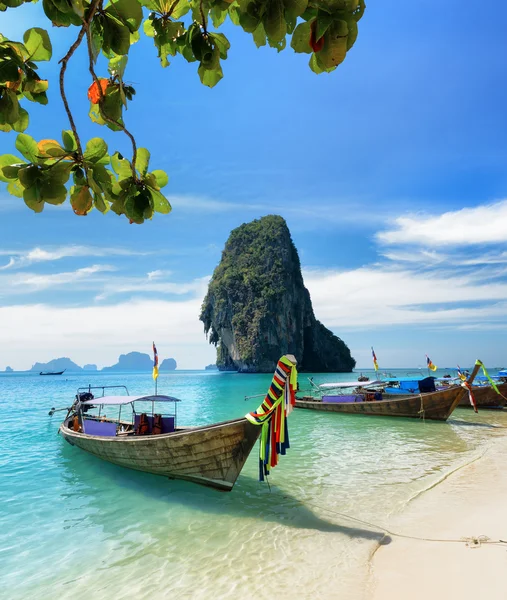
{"type": "Point", "coordinates": [380, 297]}
{"type": "Point", "coordinates": [24, 258]}
{"type": "Point", "coordinates": [22, 283]}
{"type": "Point", "coordinates": [483, 224]}
{"type": "Point", "coordinates": [143, 285]}
{"type": "Point", "coordinates": [99, 334]}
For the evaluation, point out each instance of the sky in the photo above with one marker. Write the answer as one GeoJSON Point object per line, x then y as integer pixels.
{"type": "Point", "coordinates": [390, 172]}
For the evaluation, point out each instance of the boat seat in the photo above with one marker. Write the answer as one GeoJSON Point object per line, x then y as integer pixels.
{"type": "Point", "coordinates": [102, 428]}
{"type": "Point", "coordinates": [167, 423]}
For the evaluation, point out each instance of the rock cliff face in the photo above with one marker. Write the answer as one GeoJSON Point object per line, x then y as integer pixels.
{"type": "Point", "coordinates": [257, 307]}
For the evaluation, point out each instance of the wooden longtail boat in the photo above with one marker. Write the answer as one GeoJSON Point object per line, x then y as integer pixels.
{"type": "Point", "coordinates": [432, 405]}
{"type": "Point", "coordinates": [52, 372]}
{"type": "Point", "coordinates": [486, 397]}
{"type": "Point", "coordinates": [211, 455]}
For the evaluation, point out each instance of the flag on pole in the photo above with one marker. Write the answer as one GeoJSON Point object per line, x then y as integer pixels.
{"type": "Point", "coordinates": [431, 366]}
{"type": "Point", "coordinates": [375, 363]}
{"type": "Point", "coordinates": [155, 362]}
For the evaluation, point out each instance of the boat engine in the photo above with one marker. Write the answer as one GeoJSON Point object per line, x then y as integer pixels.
{"type": "Point", "coordinates": [85, 397]}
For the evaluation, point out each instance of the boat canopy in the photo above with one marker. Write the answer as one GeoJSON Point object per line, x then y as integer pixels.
{"type": "Point", "coordinates": [119, 400]}
{"type": "Point", "coordinates": [349, 384]}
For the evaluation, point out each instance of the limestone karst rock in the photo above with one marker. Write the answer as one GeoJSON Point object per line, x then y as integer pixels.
{"type": "Point", "coordinates": [257, 307]}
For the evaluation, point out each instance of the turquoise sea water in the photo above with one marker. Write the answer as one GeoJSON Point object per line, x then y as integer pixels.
{"type": "Point", "coordinates": [72, 526]}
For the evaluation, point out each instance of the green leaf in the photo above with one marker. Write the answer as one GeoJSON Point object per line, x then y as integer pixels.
{"type": "Point", "coordinates": [32, 198]}
{"type": "Point", "coordinates": [35, 86]}
{"type": "Point", "coordinates": [259, 36]}
{"type": "Point", "coordinates": [139, 206]}
{"type": "Point", "coordinates": [81, 199]}
{"type": "Point", "coordinates": [78, 7]}
{"type": "Point", "coordinates": [38, 44]}
{"type": "Point", "coordinates": [7, 160]}
{"type": "Point", "coordinates": [69, 140]}
{"type": "Point", "coordinates": [9, 107]}
{"type": "Point", "coordinates": [142, 160]}
{"type": "Point", "coordinates": [52, 192]}
{"type": "Point", "coordinates": [41, 97]}
{"type": "Point", "coordinates": [15, 189]}
{"type": "Point", "coordinates": [28, 147]}
{"type": "Point", "coordinates": [100, 204]}
{"type": "Point", "coordinates": [160, 202]}
{"type": "Point", "coordinates": [274, 21]}
{"type": "Point", "coordinates": [22, 123]}
{"type": "Point", "coordinates": [96, 148]}
{"type": "Point", "coordinates": [59, 173]}
{"type": "Point", "coordinates": [160, 177]}
{"type": "Point", "coordinates": [121, 166]}
{"type": "Point", "coordinates": [117, 66]}
{"type": "Point", "coordinates": [128, 11]}
{"type": "Point", "coordinates": [8, 70]}
{"type": "Point", "coordinates": [222, 43]}
{"type": "Point", "coordinates": [335, 45]}
{"type": "Point", "coordinates": [301, 38]}
{"type": "Point", "coordinates": [218, 16]}
{"type": "Point", "coordinates": [353, 31]}
{"type": "Point", "coordinates": [295, 8]}
{"type": "Point", "coordinates": [324, 21]}
{"type": "Point", "coordinates": [118, 36]}
{"type": "Point", "coordinates": [29, 175]}
{"type": "Point", "coordinates": [210, 77]}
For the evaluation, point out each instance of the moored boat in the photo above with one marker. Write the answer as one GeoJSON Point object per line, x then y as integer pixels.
{"type": "Point", "coordinates": [52, 372]}
{"type": "Point", "coordinates": [486, 397]}
{"type": "Point", "coordinates": [151, 441]}
{"type": "Point", "coordinates": [437, 405]}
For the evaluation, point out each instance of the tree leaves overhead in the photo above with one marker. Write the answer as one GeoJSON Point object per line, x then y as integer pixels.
{"type": "Point", "coordinates": [49, 172]}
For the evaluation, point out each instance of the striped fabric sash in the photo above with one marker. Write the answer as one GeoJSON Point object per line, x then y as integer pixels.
{"type": "Point", "coordinates": [272, 415]}
{"type": "Point", "coordinates": [493, 384]}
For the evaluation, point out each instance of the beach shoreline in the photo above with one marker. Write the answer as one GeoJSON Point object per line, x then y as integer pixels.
{"type": "Point", "coordinates": [466, 504]}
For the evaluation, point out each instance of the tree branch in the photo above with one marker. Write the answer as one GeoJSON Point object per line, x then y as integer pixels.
{"type": "Point", "coordinates": [64, 62]}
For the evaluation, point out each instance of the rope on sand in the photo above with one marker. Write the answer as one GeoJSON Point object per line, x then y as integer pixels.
{"type": "Point", "coordinates": [470, 542]}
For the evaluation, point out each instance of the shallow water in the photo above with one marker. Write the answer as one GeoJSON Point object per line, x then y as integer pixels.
{"type": "Point", "coordinates": [72, 526]}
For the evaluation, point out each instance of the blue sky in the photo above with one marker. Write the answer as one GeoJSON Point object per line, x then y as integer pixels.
{"type": "Point", "coordinates": [390, 173]}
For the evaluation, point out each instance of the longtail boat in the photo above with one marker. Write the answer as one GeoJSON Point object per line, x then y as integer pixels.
{"type": "Point", "coordinates": [486, 397]}
{"type": "Point", "coordinates": [52, 372]}
{"type": "Point", "coordinates": [437, 405]}
{"type": "Point", "coordinates": [150, 440]}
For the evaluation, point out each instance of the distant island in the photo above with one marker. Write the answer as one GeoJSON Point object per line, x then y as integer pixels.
{"type": "Point", "coordinates": [9, 370]}
{"type": "Point", "coordinates": [212, 367]}
{"type": "Point", "coordinates": [133, 361]}
{"type": "Point", "coordinates": [55, 365]}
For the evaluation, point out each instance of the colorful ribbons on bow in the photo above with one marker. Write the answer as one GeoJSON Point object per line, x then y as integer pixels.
{"type": "Point", "coordinates": [272, 415]}
{"type": "Point", "coordinates": [468, 388]}
{"type": "Point", "coordinates": [486, 374]}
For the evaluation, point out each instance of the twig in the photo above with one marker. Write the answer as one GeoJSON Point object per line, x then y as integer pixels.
{"type": "Point", "coordinates": [64, 62]}
{"type": "Point", "coordinates": [203, 18]}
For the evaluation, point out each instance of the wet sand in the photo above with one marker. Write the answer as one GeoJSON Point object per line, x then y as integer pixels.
{"type": "Point", "coordinates": [471, 502]}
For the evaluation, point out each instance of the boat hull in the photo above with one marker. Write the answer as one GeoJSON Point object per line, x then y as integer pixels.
{"type": "Point", "coordinates": [212, 455]}
{"type": "Point", "coordinates": [436, 406]}
{"type": "Point", "coordinates": [486, 397]}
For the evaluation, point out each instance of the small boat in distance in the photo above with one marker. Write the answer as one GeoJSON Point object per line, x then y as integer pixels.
{"type": "Point", "coordinates": [52, 372]}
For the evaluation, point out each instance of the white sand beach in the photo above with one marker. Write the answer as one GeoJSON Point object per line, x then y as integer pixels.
{"type": "Point", "coordinates": [471, 502]}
